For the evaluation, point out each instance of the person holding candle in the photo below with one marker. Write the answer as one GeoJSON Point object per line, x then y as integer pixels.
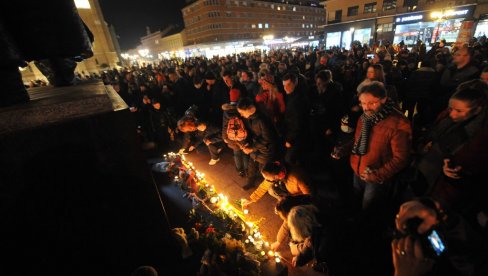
{"type": "Point", "coordinates": [280, 180]}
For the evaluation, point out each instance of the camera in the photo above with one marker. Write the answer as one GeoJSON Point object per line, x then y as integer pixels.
{"type": "Point", "coordinates": [432, 242]}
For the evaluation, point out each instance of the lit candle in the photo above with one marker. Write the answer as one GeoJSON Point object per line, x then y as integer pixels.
{"type": "Point", "coordinates": [266, 243]}
{"type": "Point", "coordinates": [277, 259]}
{"type": "Point", "coordinates": [263, 253]}
{"type": "Point", "coordinates": [246, 211]}
{"type": "Point", "coordinates": [271, 253]}
{"type": "Point", "coordinates": [247, 241]}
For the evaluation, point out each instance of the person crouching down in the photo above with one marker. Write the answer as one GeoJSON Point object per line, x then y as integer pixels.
{"type": "Point", "coordinates": [197, 132]}
{"type": "Point", "coordinates": [281, 180]}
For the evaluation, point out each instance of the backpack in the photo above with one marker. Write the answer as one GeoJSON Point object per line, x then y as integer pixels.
{"type": "Point", "coordinates": [236, 130]}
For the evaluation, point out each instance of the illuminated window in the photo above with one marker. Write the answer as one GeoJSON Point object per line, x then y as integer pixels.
{"type": "Point", "coordinates": [370, 7]}
{"type": "Point", "coordinates": [253, 26]}
{"type": "Point", "coordinates": [82, 4]}
{"type": "Point", "coordinates": [260, 26]}
{"type": "Point", "coordinates": [266, 25]}
{"type": "Point", "coordinates": [389, 4]}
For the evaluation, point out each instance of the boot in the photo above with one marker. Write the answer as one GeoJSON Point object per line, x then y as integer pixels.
{"type": "Point", "coordinates": [12, 89]}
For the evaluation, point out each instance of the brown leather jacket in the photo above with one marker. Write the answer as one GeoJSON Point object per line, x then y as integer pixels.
{"type": "Point", "coordinates": [389, 148]}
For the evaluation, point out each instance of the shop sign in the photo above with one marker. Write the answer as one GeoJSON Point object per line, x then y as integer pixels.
{"type": "Point", "coordinates": [409, 18]}
{"type": "Point", "coordinates": [436, 15]}
{"type": "Point", "coordinates": [449, 14]}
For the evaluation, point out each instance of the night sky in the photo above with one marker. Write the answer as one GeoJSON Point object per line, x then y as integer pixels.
{"type": "Point", "coordinates": [130, 17]}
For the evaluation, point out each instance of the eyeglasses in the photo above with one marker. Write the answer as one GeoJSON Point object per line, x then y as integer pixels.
{"type": "Point", "coordinates": [371, 104]}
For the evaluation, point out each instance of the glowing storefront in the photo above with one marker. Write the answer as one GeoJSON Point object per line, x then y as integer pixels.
{"type": "Point", "coordinates": [482, 26]}
{"type": "Point", "coordinates": [343, 34]}
{"type": "Point", "coordinates": [431, 26]}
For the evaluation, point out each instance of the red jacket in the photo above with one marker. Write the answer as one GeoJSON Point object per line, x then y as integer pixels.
{"type": "Point", "coordinates": [389, 148]}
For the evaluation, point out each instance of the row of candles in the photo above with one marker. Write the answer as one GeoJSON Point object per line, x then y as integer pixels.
{"type": "Point", "coordinates": [222, 202]}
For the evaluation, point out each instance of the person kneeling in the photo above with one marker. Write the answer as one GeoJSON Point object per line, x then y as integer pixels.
{"type": "Point", "coordinates": [197, 132]}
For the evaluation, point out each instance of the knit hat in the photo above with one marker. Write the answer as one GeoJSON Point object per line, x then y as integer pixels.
{"type": "Point", "coordinates": [266, 76]}
{"type": "Point", "coordinates": [235, 95]}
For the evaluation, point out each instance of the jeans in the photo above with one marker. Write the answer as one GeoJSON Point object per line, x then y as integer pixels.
{"type": "Point", "coordinates": [369, 193]}
{"type": "Point", "coordinates": [241, 160]}
{"type": "Point", "coordinates": [215, 149]}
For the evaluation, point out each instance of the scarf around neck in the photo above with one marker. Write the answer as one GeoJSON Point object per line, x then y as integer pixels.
{"type": "Point", "coordinates": [361, 145]}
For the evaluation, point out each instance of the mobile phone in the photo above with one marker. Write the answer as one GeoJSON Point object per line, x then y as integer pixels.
{"type": "Point", "coordinates": [436, 242]}
{"type": "Point", "coordinates": [370, 56]}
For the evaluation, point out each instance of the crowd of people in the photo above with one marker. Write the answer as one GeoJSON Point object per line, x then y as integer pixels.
{"type": "Point", "coordinates": [402, 135]}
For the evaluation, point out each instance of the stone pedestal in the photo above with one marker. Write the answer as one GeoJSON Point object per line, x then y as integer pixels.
{"type": "Point", "coordinates": [76, 195]}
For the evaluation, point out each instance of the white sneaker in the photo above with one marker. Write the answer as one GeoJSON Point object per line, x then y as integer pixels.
{"type": "Point", "coordinates": [213, 161]}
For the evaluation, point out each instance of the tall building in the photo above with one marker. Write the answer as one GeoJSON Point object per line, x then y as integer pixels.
{"type": "Point", "coordinates": [210, 21]}
{"type": "Point", "coordinates": [105, 53]}
{"type": "Point", "coordinates": [170, 39]}
{"type": "Point", "coordinates": [104, 49]}
{"type": "Point", "coordinates": [406, 21]}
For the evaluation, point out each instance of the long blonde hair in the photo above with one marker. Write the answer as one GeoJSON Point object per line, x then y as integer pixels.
{"type": "Point", "coordinates": [301, 220]}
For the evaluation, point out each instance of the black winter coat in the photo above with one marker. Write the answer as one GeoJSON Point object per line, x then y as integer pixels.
{"type": "Point", "coordinates": [296, 118]}
{"type": "Point", "coordinates": [262, 137]}
{"type": "Point", "coordinates": [422, 83]}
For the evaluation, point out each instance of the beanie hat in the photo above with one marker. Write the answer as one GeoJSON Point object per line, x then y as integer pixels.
{"type": "Point", "coordinates": [267, 77]}
{"type": "Point", "coordinates": [234, 95]}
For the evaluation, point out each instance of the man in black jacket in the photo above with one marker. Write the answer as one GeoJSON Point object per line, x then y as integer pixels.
{"type": "Point", "coordinates": [262, 140]}
{"type": "Point", "coordinates": [296, 119]}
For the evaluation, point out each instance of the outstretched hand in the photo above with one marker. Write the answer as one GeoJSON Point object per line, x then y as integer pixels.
{"type": "Point", "coordinates": [245, 203]}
